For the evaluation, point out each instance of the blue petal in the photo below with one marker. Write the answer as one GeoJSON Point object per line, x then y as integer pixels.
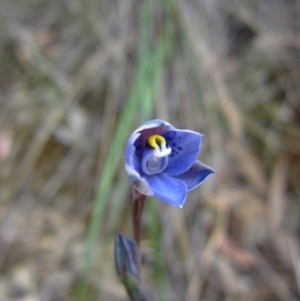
{"type": "Point", "coordinates": [139, 183]}
{"type": "Point", "coordinates": [155, 123]}
{"type": "Point", "coordinates": [168, 189]}
{"type": "Point", "coordinates": [185, 146]}
{"type": "Point", "coordinates": [133, 152]}
{"type": "Point", "coordinates": [133, 167]}
{"type": "Point", "coordinates": [196, 175]}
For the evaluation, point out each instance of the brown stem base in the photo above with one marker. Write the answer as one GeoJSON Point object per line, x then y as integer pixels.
{"type": "Point", "coordinates": [137, 209]}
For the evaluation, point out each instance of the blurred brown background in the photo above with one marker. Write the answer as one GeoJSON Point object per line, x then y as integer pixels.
{"type": "Point", "coordinates": [77, 77]}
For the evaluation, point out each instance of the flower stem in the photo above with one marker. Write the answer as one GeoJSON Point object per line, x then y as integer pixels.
{"type": "Point", "coordinates": [137, 209]}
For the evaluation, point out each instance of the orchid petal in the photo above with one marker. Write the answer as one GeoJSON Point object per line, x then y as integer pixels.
{"type": "Point", "coordinates": [185, 146]}
{"type": "Point", "coordinates": [139, 183]}
{"type": "Point", "coordinates": [170, 190]}
{"type": "Point", "coordinates": [132, 156]}
{"type": "Point", "coordinates": [152, 124]}
{"type": "Point", "coordinates": [196, 175]}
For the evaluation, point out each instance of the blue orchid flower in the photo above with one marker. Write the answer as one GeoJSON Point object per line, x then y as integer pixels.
{"type": "Point", "coordinates": [161, 161]}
